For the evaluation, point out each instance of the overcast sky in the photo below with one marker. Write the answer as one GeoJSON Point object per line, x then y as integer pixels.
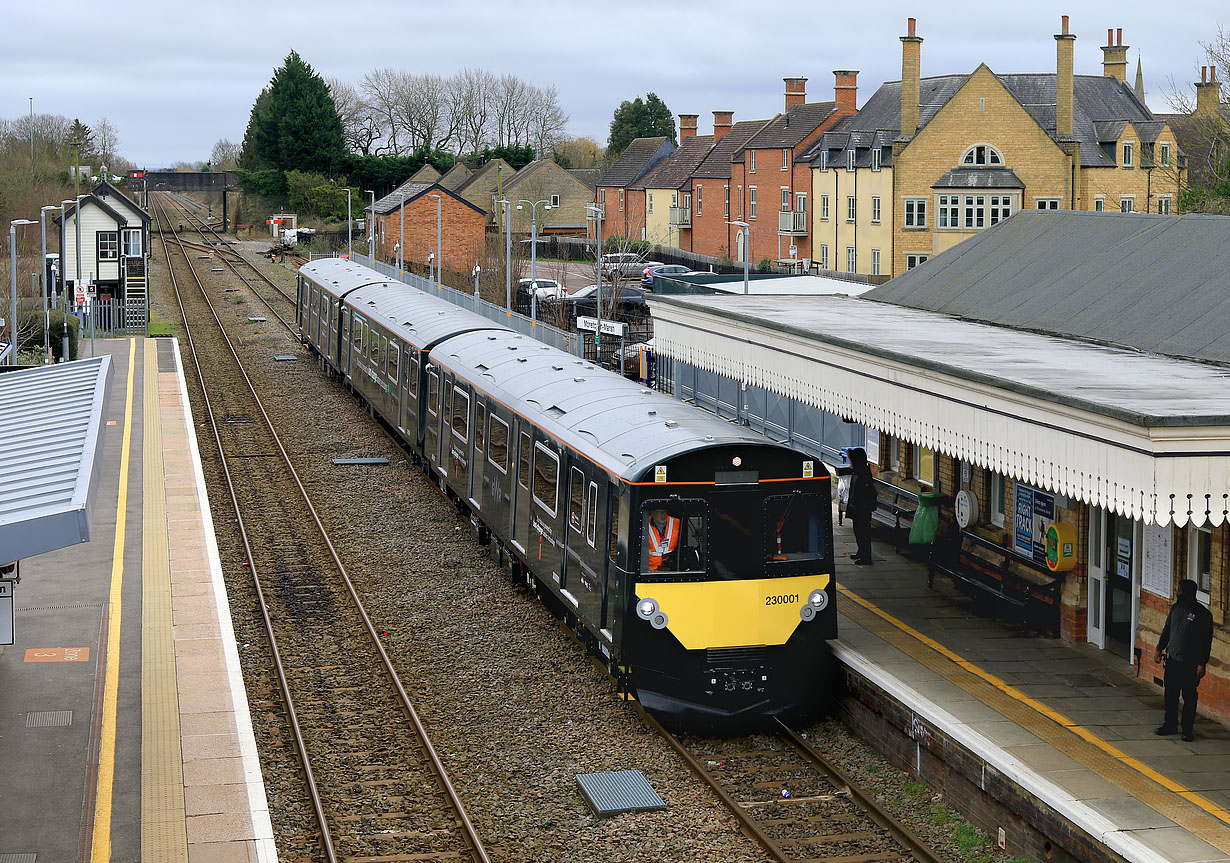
{"type": "Point", "coordinates": [173, 79]}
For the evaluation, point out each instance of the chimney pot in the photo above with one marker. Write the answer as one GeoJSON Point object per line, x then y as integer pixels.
{"type": "Point", "coordinates": [910, 26]}
{"type": "Point", "coordinates": [1119, 36]}
{"type": "Point", "coordinates": [1110, 35]}
{"type": "Point", "coordinates": [1064, 30]}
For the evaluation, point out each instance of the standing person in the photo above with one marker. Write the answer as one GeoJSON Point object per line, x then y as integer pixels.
{"type": "Point", "coordinates": [861, 504]}
{"type": "Point", "coordinates": [1187, 640]}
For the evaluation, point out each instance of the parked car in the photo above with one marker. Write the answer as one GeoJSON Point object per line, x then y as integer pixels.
{"type": "Point", "coordinates": [629, 302]}
{"type": "Point", "coordinates": [664, 270]}
{"type": "Point", "coordinates": [621, 265]}
{"type": "Point", "coordinates": [546, 290]}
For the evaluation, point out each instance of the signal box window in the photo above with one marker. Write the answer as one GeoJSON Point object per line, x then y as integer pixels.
{"type": "Point", "coordinates": [673, 537]}
{"type": "Point", "coordinates": [794, 529]}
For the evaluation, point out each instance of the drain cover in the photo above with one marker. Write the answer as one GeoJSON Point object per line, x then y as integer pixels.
{"type": "Point", "coordinates": [24, 857]}
{"type": "Point", "coordinates": [285, 358]}
{"type": "Point", "coordinates": [49, 719]}
{"type": "Point", "coordinates": [360, 461]}
{"type": "Point", "coordinates": [618, 791]}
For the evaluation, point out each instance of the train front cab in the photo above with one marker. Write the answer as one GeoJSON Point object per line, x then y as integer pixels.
{"type": "Point", "coordinates": [732, 625]}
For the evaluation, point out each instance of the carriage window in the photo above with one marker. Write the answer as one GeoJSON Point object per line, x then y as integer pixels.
{"type": "Point", "coordinates": [523, 457]}
{"type": "Point", "coordinates": [448, 402]}
{"type": "Point", "coordinates": [576, 494]}
{"type": "Point", "coordinates": [591, 521]}
{"type": "Point", "coordinates": [394, 357]}
{"type": "Point", "coordinates": [480, 425]}
{"type": "Point", "coordinates": [673, 536]}
{"type": "Point", "coordinates": [793, 528]}
{"type": "Point", "coordinates": [461, 413]}
{"type": "Point", "coordinates": [412, 371]}
{"type": "Point", "coordinates": [497, 452]}
{"type": "Point", "coordinates": [360, 333]}
{"type": "Point", "coordinates": [546, 478]}
{"type": "Point", "coordinates": [433, 396]}
{"type": "Point", "coordinates": [612, 540]}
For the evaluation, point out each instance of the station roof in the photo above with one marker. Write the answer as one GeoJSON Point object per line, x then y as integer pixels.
{"type": "Point", "coordinates": [1144, 434]}
{"type": "Point", "coordinates": [51, 427]}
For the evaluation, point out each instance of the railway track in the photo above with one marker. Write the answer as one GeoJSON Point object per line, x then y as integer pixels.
{"type": "Point", "coordinates": [376, 786]}
{"type": "Point", "coordinates": [792, 800]}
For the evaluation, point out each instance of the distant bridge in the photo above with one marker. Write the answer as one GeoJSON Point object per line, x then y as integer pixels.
{"type": "Point", "coordinates": [185, 181]}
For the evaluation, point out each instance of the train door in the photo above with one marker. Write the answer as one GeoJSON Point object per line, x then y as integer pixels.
{"type": "Point", "coordinates": [499, 474]}
{"type": "Point", "coordinates": [547, 494]}
{"type": "Point", "coordinates": [478, 462]}
{"type": "Point", "coordinates": [339, 348]}
{"type": "Point", "coordinates": [611, 594]}
{"type": "Point", "coordinates": [410, 422]}
{"type": "Point", "coordinates": [521, 489]}
{"type": "Point", "coordinates": [393, 372]}
{"type": "Point", "coordinates": [431, 429]}
{"type": "Point", "coordinates": [457, 452]}
{"type": "Point", "coordinates": [581, 540]}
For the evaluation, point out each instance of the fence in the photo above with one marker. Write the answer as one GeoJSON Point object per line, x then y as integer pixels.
{"type": "Point", "coordinates": [110, 319]}
{"type": "Point", "coordinates": [545, 333]}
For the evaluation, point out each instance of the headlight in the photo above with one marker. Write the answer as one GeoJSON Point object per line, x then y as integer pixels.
{"type": "Point", "coordinates": [818, 600]}
{"type": "Point", "coordinates": [646, 608]}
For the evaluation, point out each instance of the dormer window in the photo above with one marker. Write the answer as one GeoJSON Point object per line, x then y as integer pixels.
{"type": "Point", "coordinates": [875, 159]}
{"type": "Point", "coordinates": [850, 159]}
{"type": "Point", "coordinates": [824, 160]}
{"type": "Point", "coordinates": [1127, 155]}
{"type": "Point", "coordinates": [982, 154]}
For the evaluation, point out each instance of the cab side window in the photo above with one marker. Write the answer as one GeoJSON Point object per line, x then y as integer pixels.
{"type": "Point", "coordinates": [673, 536]}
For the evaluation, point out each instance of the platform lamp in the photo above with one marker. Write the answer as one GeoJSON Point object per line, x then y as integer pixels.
{"type": "Point", "coordinates": [401, 246]}
{"type": "Point", "coordinates": [533, 205]}
{"type": "Point", "coordinates": [13, 272]}
{"type": "Point", "coordinates": [744, 228]}
{"type": "Point", "coordinates": [64, 355]}
{"type": "Point", "coordinates": [437, 280]}
{"type": "Point", "coordinates": [349, 226]}
{"type": "Point", "coordinates": [371, 228]}
{"type": "Point", "coordinates": [507, 254]}
{"type": "Point", "coordinates": [42, 277]}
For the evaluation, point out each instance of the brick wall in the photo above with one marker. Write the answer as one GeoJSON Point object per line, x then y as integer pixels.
{"type": "Point", "coordinates": [710, 235]}
{"type": "Point", "coordinates": [462, 234]}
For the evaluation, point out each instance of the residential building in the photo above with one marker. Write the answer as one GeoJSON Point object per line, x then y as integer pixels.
{"type": "Point", "coordinates": [623, 206]}
{"type": "Point", "coordinates": [772, 181]}
{"type": "Point", "coordinates": [455, 176]}
{"type": "Point", "coordinates": [483, 187]}
{"type": "Point", "coordinates": [426, 174]}
{"type": "Point", "coordinates": [566, 195]}
{"type": "Point", "coordinates": [411, 211]}
{"type": "Point", "coordinates": [711, 198]}
{"type": "Point", "coordinates": [667, 187]}
{"type": "Point", "coordinates": [1203, 134]}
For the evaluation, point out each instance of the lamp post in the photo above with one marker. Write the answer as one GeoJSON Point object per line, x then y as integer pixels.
{"type": "Point", "coordinates": [533, 205]}
{"type": "Point", "coordinates": [437, 259]}
{"type": "Point", "coordinates": [401, 245]}
{"type": "Point", "coordinates": [64, 356]}
{"type": "Point", "coordinates": [42, 277]}
{"type": "Point", "coordinates": [597, 212]}
{"type": "Point", "coordinates": [747, 248]}
{"type": "Point", "coordinates": [371, 228]}
{"type": "Point", "coordinates": [13, 272]}
{"type": "Point", "coordinates": [349, 225]}
{"type": "Point", "coordinates": [477, 270]}
{"type": "Point", "coordinates": [507, 254]}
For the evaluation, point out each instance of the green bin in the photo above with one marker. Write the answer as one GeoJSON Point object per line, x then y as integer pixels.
{"type": "Point", "coordinates": [926, 518]}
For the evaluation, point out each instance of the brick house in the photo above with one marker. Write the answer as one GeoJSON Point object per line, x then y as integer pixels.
{"type": "Point", "coordinates": [710, 197]}
{"type": "Point", "coordinates": [1204, 134]}
{"type": "Point", "coordinates": [771, 179]}
{"type": "Point", "coordinates": [482, 188]}
{"type": "Point", "coordinates": [667, 187]}
{"type": "Point", "coordinates": [411, 208]}
{"type": "Point", "coordinates": [929, 162]}
{"type": "Point", "coordinates": [623, 207]}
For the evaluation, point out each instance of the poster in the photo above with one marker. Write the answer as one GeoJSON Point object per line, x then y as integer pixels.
{"type": "Point", "coordinates": [873, 446]}
{"type": "Point", "coordinates": [1035, 511]}
{"type": "Point", "coordinates": [1156, 574]}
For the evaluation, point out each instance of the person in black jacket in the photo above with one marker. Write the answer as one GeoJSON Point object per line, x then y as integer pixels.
{"type": "Point", "coordinates": [1187, 640]}
{"type": "Point", "coordinates": [861, 503]}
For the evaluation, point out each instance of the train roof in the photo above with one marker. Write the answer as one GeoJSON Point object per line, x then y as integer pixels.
{"type": "Point", "coordinates": [615, 422]}
{"type": "Point", "coordinates": [339, 276]}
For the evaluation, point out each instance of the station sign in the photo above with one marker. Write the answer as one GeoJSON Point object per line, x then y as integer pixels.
{"type": "Point", "coordinates": [609, 328]}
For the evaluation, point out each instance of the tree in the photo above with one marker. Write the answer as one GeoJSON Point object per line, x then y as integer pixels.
{"type": "Point", "coordinates": [224, 156]}
{"type": "Point", "coordinates": [361, 126]}
{"type": "Point", "coordinates": [108, 142]}
{"type": "Point", "coordinates": [639, 119]}
{"type": "Point", "coordinates": [1204, 134]}
{"type": "Point", "coordinates": [81, 137]}
{"type": "Point", "coordinates": [296, 127]}
{"type": "Point", "coordinates": [578, 153]}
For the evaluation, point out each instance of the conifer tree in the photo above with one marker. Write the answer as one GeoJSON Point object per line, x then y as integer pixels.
{"type": "Point", "coordinates": [294, 124]}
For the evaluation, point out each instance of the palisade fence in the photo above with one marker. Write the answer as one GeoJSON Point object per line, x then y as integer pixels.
{"type": "Point", "coordinates": [545, 333]}
{"type": "Point", "coordinates": [103, 319]}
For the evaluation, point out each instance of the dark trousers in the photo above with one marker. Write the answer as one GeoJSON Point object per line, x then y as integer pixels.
{"type": "Point", "coordinates": [862, 534]}
{"type": "Point", "coordinates": [1181, 680]}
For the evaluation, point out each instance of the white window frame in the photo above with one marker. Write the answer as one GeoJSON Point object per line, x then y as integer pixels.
{"type": "Point", "coordinates": [916, 450]}
{"type": "Point", "coordinates": [949, 207]}
{"type": "Point", "coordinates": [974, 212]}
{"type": "Point", "coordinates": [824, 208]}
{"type": "Point", "coordinates": [751, 203]}
{"type": "Point", "coordinates": [914, 212]}
{"type": "Point", "coordinates": [850, 157]}
{"type": "Point", "coordinates": [127, 235]}
{"type": "Point", "coordinates": [824, 160]}
{"type": "Point", "coordinates": [1196, 535]}
{"type": "Point", "coordinates": [800, 202]}
{"type": "Point", "coordinates": [851, 208]}
{"type": "Point", "coordinates": [875, 209]}
{"type": "Point", "coordinates": [111, 250]}
{"type": "Point", "coordinates": [999, 207]}
{"type": "Point", "coordinates": [824, 256]}
{"type": "Point", "coordinates": [699, 190]}
{"type": "Point", "coordinates": [751, 161]}
{"type": "Point", "coordinates": [649, 202]}
{"type": "Point", "coordinates": [553, 510]}
{"type": "Point", "coordinates": [554, 201]}
{"type": "Point", "coordinates": [785, 199]}
{"type": "Point", "coordinates": [1046, 203]}
{"type": "Point", "coordinates": [785, 159]}
{"type": "Point", "coordinates": [1099, 204]}
{"type": "Point", "coordinates": [621, 200]}
{"type": "Point", "coordinates": [875, 262]}
{"type": "Point", "coordinates": [983, 155]}
{"type": "Point", "coordinates": [851, 260]}
{"type": "Point", "coordinates": [1163, 205]}
{"type": "Point", "coordinates": [1127, 203]}
{"type": "Point", "coordinates": [740, 196]}
{"type": "Point", "coordinates": [1164, 156]}
{"type": "Point", "coordinates": [726, 199]}
{"type": "Point", "coordinates": [1129, 154]}
{"type": "Point", "coordinates": [875, 159]}
{"type": "Point", "coordinates": [913, 259]}
{"type": "Point", "coordinates": [996, 502]}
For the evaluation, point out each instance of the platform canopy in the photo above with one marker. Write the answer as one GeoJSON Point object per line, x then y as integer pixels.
{"type": "Point", "coordinates": [1145, 435]}
{"type": "Point", "coordinates": [51, 427]}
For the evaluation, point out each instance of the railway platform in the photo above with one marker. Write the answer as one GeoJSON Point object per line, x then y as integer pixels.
{"type": "Point", "coordinates": [1050, 742]}
{"type": "Point", "coordinates": [125, 732]}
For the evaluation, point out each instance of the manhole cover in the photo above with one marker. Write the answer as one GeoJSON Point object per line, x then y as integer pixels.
{"type": "Point", "coordinates": [618, 791]}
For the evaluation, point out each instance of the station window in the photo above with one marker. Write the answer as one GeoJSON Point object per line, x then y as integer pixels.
{"type": "Point", "coordinates": [546, 479]}
{"type": "Point", "coordinates": [497, 448]}
{"type": "Point", "coordinates": [794, 529]}
{"type": "Point", "coordinates": [1200, 560]}
{"type": "Point", "coordinates": [108, 245]}
{"type": "Point", "coordinates": [673, 536]}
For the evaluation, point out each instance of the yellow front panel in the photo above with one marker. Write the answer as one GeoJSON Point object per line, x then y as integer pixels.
{"type": "Point", "coordinates": [755, 612]}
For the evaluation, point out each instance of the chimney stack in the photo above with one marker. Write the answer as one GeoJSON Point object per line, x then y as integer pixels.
{"type": "Point", "coordinates": [1208, 92]}
{"type": "Point", "coordinates": [687, 126]}
{"type": "Point", "coordinates": [845, 90]}
{"type": "Point", "coordinates": [722, 121]}
{"type": "Point", "coordinates": [796, 91]}
{"type": "Point", "coordinates": [911, 64]}
{"type": "Point", "coordinates": [1064, 83]}
{"type": "Point", "coordinates": [1114, 56]}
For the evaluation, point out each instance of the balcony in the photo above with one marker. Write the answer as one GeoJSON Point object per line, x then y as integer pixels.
{"type": "Point", "coordinates": [792, 224]}
{"type": "Point", "coordinates": [681, 217]}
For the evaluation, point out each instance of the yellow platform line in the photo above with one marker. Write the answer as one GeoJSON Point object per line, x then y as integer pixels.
{"type": "Point", "coordinates": [1107, 761]}
{"type": "Point", "coordinates": [100, 846]}
{"type": "Point", "coordinates": [164, 832]}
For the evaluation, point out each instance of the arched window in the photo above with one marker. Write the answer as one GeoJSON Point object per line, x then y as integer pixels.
{"type": "Point", "coordinates": [982, 154]}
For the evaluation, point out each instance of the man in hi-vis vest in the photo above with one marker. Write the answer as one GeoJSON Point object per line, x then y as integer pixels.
{"type": "Point", "coordinates": [663, 539]}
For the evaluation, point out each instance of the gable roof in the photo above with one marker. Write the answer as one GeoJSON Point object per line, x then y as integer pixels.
{"type": "Point", "coordinates": [641, 155]}
{"type": "Point", "coordinates": [104, 189]}
{"type": "Point", "coordinates": [414, 191]}
{"type": "Point", "coordinates": [675, 171]}
{"type": "Point", "coordinates": [788, 129]}
{"type": "Point", "coordinates": [479, 187]}
{"type": "Point", "coordinates": [120, 218]}
{"type": "Point", "coordinates": [588, 176]}
{"type": "Point", "coordinates": [1152, 283]}
{"type": "Point", "coordinates": [717, 164]}
{"type": "Point", "coordinates": [425, 174]}
{"type": "Point", "coordinates": [455, 176]}
{"type": "Point", "coordinates": [1197, 136]}
{"type": "Point", "coordinates": [547, 171]}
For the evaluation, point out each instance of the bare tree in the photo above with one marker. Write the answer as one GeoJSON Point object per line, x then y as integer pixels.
{"type": "Point", "coordinates": [382, 91]}
{"type": "Point", "coordinates": [508, 103]}
{"type": "Point", "coordinates": [471, 104]}
{"type": "Point", "coordinates": [106, 141]}
{"type": "Point", "coordinates": [359, 124]}
{"type": "Point", "coordinates": [225, 155]}
{"type": "Point", "coordinates": [547, 120]}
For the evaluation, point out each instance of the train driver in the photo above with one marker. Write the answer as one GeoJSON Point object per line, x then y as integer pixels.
{"type": "Point", "coordinates": [663, 532]}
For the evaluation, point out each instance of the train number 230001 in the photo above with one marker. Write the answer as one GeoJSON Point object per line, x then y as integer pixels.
{"type": "Point", "coordinates": [782, 599]}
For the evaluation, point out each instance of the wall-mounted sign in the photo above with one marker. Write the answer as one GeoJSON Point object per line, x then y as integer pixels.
{"type": "Point", "coordinates": [1035, 510]}
{"type": "Point", "coordinates": [1060, 547]}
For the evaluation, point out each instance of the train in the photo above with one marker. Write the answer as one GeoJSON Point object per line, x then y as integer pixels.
{"type": "Point", "coordinates": [691, 556]}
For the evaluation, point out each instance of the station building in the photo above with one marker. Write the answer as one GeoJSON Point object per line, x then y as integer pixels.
{"type": "Point", "coordinates": [114, 235]}
{"type": "Point", "coordinates": [1062, 369]}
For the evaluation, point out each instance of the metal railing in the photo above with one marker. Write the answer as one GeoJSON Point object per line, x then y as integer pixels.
{"type": "Point", "coordinates": [545, 333]}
